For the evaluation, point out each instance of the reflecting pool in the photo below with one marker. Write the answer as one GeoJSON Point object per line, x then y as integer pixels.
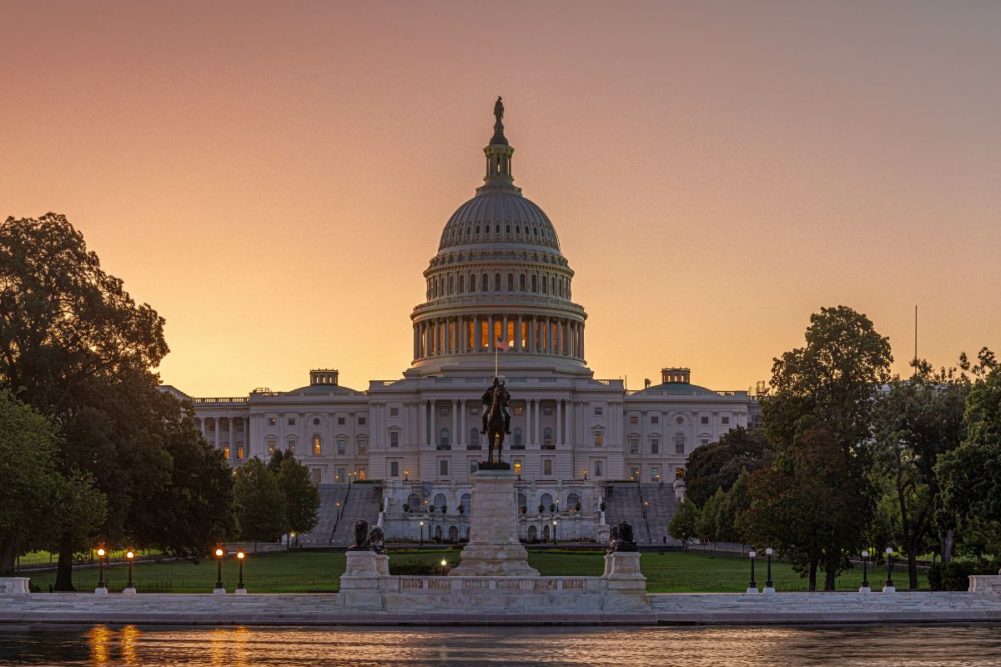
{"type": "Point", "coordinates": [872, 646]}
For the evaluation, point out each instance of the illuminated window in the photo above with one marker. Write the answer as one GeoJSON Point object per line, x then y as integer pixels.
{"type": "Point", "coordinates": [272, 444]}
{"type": "Point", "coordinates": [634, 472]}
{"type": "Point", "coordinates": [239, 452]}
{"type": "Point", "coordinates": [225, 453]}
{"type": "Point", "coordinates": [654, 473]}
{"type": "Point", "coordinates": [290, 446]}
{"type": "Point", "coordinates": [317, 449]}
{"type": "Point", "coordinates": [599, 438]}
{"type": "Point", "coordinates": [517, 467]}
{"type": "Point", "coordinates": [361, 474]}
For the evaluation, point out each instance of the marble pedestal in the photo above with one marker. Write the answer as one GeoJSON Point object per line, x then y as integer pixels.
{"type": "Point", "coordinates": [493, 549]}
{"type": "Point", "coordinates": [360, 581]}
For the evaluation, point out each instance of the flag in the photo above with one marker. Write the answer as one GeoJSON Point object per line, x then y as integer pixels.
{"type": "Point", "coordinates": [502, 344]}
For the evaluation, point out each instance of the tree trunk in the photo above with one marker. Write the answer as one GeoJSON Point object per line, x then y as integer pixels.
{"type": "Point", "coordinates": [912, 570]}
{"type": "Point", "coordinates": [64, 568]}
{"type": "Point", "coordinates": [812, 586]}
{"type": "Point", "coordinates": [830, 570]}
{"type": "Point", "coordinates": [8, 551]}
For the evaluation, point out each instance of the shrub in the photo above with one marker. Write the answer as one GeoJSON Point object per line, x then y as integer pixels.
{"type": "Point", "coordinates": [406, 507]}
{"type": "Point", "coordinates": [955, 575]}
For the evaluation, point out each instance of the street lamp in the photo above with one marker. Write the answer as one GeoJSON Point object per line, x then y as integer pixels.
{"type": "Point", "coordinates": [769, 584]}
{"type": "Point", "coordinates": [753, 586]}
{"type": "Point", "coordinates": [406, 475]}
{"type": "Point", "coordinates": [444, 566]}
{"type": "Point", "coordinates": [240, 588]}
{"type": "Point", "coordinates": [864, 588]}
{"type": "Point", "coordinates": [554, 531]}
{"type": "Point", "coordinates": [422, 533]}
{"type": "Point", "coordinates": [101, 588]}
{"type": "Point", "coordinates": [888, 588]}
{"type": "Point", "coordinates": [646, 505]}
{"type": "Point", "coordinates": [219, 590]}
{"type": "Point", "coordinates": [585, 474]}
{"type": "Point", "coordinates": [130, 589]}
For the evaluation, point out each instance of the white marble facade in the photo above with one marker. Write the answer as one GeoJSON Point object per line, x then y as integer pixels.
{"type": "Point", "coordinates": [499, 279]}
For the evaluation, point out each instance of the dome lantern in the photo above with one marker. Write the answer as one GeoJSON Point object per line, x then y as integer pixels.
{"type": "Point", "coordinates": [498, 152]}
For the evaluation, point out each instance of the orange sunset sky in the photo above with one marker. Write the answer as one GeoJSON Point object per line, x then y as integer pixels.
{"type": "Point", "coordinates": [273, 177]}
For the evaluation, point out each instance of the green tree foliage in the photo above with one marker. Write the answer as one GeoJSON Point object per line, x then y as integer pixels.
{"type": "Point", "coordinates": [916, 421]}
{"type": "Point", "coordinates": [684, 524]}
{"type": "Point", "coordinates": [829, 387]}
{"type": "Point", "coordinates": [718, 464]}
{"type": "Point", "coordinates": [804, 506]}
{"type": "Point", "coordinates": [259, 502]}
{"type": "Point", "coordinates": [302, 500]}
{"type": "Point", "coordinates": [714, 520]}
{"type": "Point", "coordinates": [970, 475]}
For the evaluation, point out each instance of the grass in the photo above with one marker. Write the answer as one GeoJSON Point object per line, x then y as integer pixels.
{"type": "Point", "coordinates": [319, 571]}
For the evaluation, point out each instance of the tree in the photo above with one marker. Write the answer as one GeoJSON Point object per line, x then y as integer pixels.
{"type": "Point", "coordinates": [684, 524]}
{"type": "Point", "coordinates": [970, 474]}
{"type": "Point", "coordinates": [829, 386]}
{"type": "Point", "coordinates": [259, 502]}
{"type": "Point", "coordinates": [718, 464]}
{"type": "Point", "coordinates": [916, 421]}
{"type": "Point", "coordinates": [302, 500]}
{"type": "Point", "coordinates": [712, 523]}
{"type": "Point", "coordinates": [805, 505]}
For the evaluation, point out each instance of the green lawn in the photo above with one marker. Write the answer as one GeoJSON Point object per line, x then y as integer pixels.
{"type": "Point", "coordinates": [319, 571]}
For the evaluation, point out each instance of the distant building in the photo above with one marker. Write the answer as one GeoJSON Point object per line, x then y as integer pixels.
{"type": "Point", "coordinates": [498, 275]}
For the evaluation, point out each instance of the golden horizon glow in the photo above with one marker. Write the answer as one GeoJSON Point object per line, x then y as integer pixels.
{"type": "Point", "coordinates": [273, 179]}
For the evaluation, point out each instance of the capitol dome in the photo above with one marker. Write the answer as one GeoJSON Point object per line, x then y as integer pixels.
{"type": "Point", "coordinates": [499, 280]}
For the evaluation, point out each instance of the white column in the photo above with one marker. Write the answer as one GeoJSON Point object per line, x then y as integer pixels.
{"type": "Point", "coordinates": [517, 334]}
{"type": "Point", "coordinates": [538, 418]}
{"type": "Point", "coordinates": [528, 422]}
{"type": "Point", "coordinates": [490, 334]}
{"type": "Point", "coordinates": [421, 427]}
{"type": "Point", "coordinates": [455, 423]}
{"type": "Point", "coordinates": [504, 329]}
{"type": "Point", "coordinates": [568, 423]}
{"type": "Point", "coordinates": [462, 422]}
{"type": "Point", "coordinates": [559, 422]}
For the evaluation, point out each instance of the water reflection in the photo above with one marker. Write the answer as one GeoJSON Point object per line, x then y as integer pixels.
{"type": "Point", "coordinates": [913, 646]}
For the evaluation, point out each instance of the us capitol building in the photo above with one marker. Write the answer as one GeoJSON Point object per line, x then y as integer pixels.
{"type": "Point", "coordinates": [499, 278]}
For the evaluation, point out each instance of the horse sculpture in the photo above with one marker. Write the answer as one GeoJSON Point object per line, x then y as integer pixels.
{"type": "Point", "coordinates": [495, 426]}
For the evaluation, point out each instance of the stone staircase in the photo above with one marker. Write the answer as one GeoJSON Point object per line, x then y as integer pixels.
{"type": "Point", "coordinates": [330, 495]}
{"type": "Point", "coordinates": [360, 502]}
{"type": "Point", "coordinates": [624, 501]}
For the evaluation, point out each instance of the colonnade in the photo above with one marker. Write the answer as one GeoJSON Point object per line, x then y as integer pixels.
{"type": "Point", "coordinates": [478, 333]}
{"type": "Point", "coordinates": [429, 423]}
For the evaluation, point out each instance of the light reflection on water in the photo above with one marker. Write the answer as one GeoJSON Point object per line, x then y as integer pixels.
{"type": "Point", "coordinates": [872, 646]}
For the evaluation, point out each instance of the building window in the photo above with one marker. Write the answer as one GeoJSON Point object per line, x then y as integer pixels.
{"type": "Point", "coordinates": [510, 282]}
{"type": "Point", "coordinates": [547, 437]}
{"type": "Point", "coordinates": [472, 282]}
{"type": "Point", "coordinates": [340, 474]}
{"type": "Point", "coordinates": [239, 425]}
{"type": "Point", "coordinates": [725, 420]}
{"type": "Point", "coordinates": [340, 421]}
{"type": "Point", "coordinates": [317, 449]}
{"type": "Point", "coordinates": [655, 445]}
{"type": "Point", "coordinates": [394, 438]}
{"type": "Point", "coordinates": [654, 473]}
{"type": "Point", "coordinates": [517, 440]}
{"type": "Point", "coordinates": [272, 421]}
{"type": "Point", "coordinates": [225, 453]}
{"type": "Point", "coordinates": [634, 473]}
{"type": "Point", "coordinates": [679, 443]}
{"type": "Point", "coordinates": [290, 446]}
{"type": "Point", "coordinates": [443, 468]}
{"type": "Point", "coordinates": [705, 419]}
{"type": "Point", "coordinates": [634, 419]}
{"type": "Point", "coordinates": [521, 282]}
{"type": "Point", "coordinates": [497, 282]}
{"type": "Point", "coordinates": [342, 446]}
{"type": "Point", "coordinates": [239, 452]}
{"type": "Point", "coordinates": [361, 421]}
{"type": "Point", "coordinates": [704, 441]}
{"type": "Point", "coordinates": [517, 468]}
{"type": "Point", "coordinates": [598, 438]}
{"type": "Point", "coordinates": [473, 465]}
{"type": "Point", "coordinates": [291, 421]}
{"type": "Point", "coordinates": [361, 473]}
{"type": "Point", "coordinates": [599, 469]}
{"type": "Point", "coordinates": [655, 419]}
{"type": "Point", "coordinates": [394, 469]}
{"type": "Point", "coordinates": [474, 438]}
{"type": "Point", "coordinates": [634, 444]}
{"type": "Point", "coordinates": [362, 443]}
{"type": "Point", "coordinates": [394, 412]}
{"type": "Point", "coordinates": [474, 411]}
{"type": "Point", "coordinates": [535, 284]}
{"type": "Point", "coordinates": [316, 421]}
{"type": "Point", "coordinates": [485, 283]}
{"type": "Point", "coordinates": [443, 439]}
{"type": "Point", "coordinates": [598, 411]}
{"type": "Point", "coordinates": [547, 468]}
{"type": "Point", "coordinates": [272, 444]}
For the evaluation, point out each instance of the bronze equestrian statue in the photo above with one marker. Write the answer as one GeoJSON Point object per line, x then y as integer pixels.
{"type": "Point", "coordinates": [497, 421]}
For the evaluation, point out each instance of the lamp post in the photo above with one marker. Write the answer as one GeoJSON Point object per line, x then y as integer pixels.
{"type": "Point", "coordinates": [219, 553]}
{"type": "Point", "coordinates": [444, 566]}
{"type": "Point", "coordinates": [889, 588]}
{"type": "Point", "coordinates": [406, 475]}
{"type": "Point", "coordinates": [240, 588]}
{"type": "Point", "coordinates": [769, 584]}
{"type": "Point", "coordinates": [101, 588]}
{"type": "Point", "coordinates": [646, 505]}
{"type": "Point", "coordinates": [422, 533]}
{"type": "Point", "coordinates": [554, 532]}
{"type": "Point", "coordinates": [130, 589]}
{"type": "Point", "coordinates": [753, 586]}
{"type": "Point", "coordinates": [864, 588]}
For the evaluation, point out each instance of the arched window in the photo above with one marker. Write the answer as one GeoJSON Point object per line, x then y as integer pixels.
{"type": "Point", "coordinates": [462, 286]}
{"type": "Point", "coordinates": [497, 282]}
{"type": "Point", "coordinates": [546, 500]}
{"type": "Point", "coordinates": [573, 500]}
{"type": "Point", "coordinates": [599, 437]}
{"type": "Point", "coordinates": [679, 443]}
{"type": "Point", "coordinates": [439, 500]}
{"type": "Point", "coordinates": [466, 502]}
{"type": "Point", "coordinates": [510, 282]}
{"type": "Point", "coordinates": [443, 439]}
{"type": "Point", "coordinates": [521, 282]}
{"type": "Point", "coordinates": [545, 281]}
{"type": "Point", "coordinates": [317, 445]}
{"type": "Point", "coordinates": [342, 446]}
{"type": "Point", "coordinates": [225, 452]}
{"type": "Point", "coordinates": [453, 534]}
{"type": "Point", "coordinates": [290, 446]}
{"type": "Point", "coordinates": [535, 283]}
{"type": "Point", "coordinates": [486, 283]}
{"type": "Point", "coordinates": [472, 282]}
{"type": "Point", "coordinates": [451, 284]}
{"type": "Point", "coordinates": [414, 501]}
{"type": "Point", "coordinates": [272, 444]}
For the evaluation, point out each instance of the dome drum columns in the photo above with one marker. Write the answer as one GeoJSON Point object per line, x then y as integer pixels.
{"type": "Point", "coordinates": [477, 334]}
